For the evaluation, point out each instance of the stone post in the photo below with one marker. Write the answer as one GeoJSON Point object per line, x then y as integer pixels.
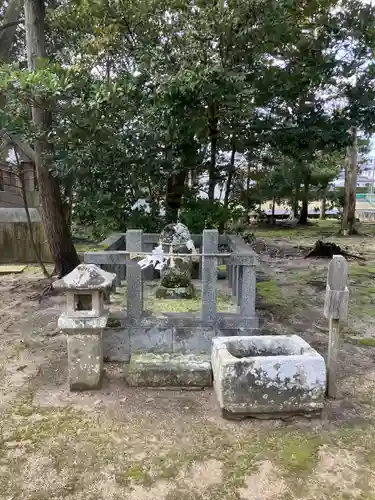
{"type": "Point", "coordinates": [134, 276]}
{"type": "Point", "coordinates": [83, 322]}
{"type": "Point", "coordinates": [335, 309]}
{"type": "Point", "coordinates": [248, 291]}
{"type": "Point", "coordinates": [234, 281]}
{"type": "Point", "coordinates": [209, 274]}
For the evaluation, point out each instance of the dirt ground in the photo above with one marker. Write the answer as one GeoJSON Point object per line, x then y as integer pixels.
{"type": "Point", "coordinates": [120, 443]}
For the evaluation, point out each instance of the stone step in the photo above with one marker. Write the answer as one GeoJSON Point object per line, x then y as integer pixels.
{"type": "Point", "coordinates": [168, 370]}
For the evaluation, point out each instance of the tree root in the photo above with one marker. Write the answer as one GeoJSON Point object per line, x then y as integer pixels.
{"type": "Point", "coordinates": [328, 250]}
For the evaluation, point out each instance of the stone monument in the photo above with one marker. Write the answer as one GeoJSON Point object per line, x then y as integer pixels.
{"type": "Point", "coordinates": [175, 271]}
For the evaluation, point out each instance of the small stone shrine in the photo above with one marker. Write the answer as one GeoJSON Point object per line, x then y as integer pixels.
{"type": "Point", "coordinates": [83, 322]}
{"type": "Point", "coordinates": [175, 271]}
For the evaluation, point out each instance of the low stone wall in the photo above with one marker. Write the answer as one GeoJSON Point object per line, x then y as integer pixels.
{"type": "Point", "coordinates": [177, 333]}
{"type": "Point", "coordinates": [15, 243]}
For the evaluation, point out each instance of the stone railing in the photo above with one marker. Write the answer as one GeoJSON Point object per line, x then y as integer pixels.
{"type": "Point", "coordinates": [240, 259]}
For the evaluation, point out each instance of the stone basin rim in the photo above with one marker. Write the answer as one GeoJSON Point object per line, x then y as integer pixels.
{"type": "Point", "coordinates": [258, 341]}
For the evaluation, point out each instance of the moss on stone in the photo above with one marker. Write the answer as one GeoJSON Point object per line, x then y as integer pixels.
{"type": "Point", "coordinates": [174, 277]}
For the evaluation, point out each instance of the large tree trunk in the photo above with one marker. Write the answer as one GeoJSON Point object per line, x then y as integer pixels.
{"type": "Point", "coordinates": [213, 131]}
{"type": "Point", "coordinates": [175, 190]}
{"type": "Point", "coordinates": [61, 245]}
{"type": "Point", "coordinates": [305, 201]}
{"type": "Point", "coordinates": [8, 28]}
{"type": "Point", "coordinates": [348, 218]}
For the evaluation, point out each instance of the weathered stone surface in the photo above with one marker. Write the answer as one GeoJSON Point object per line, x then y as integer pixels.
{"type": "Point", "coordinates": [116, 344]}
{"type": "Point", "coordinates": [209, 274]}
{"type": "Point", "coordinates": [86, 277]}
{"type": "Point", "coordinates": [180, 292]}
{"type": "Point", "coordinates": [85, 321]}
{"type": "Point", "coordinates": [176, 235]}
{"type": "Point", "coordinates": [267, 374]}
{"type": "Point", "coordinates": [85, 358]}
{"type": "Point", "coordinates": [168, 370]}
{"type": "Point", "coordinates": [154, 340]}
{"type": "Point", "coordinates": [193, 340]}
{"type": "Point", "coordinates": [231, 320]}
{"type": "Point", "coordinates": [238, 332]}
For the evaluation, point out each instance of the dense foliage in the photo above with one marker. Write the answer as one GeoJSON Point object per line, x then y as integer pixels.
{"type": "Point", "coordinates": [157, 104]}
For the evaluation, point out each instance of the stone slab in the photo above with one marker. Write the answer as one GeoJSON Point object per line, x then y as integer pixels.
{"type": "Point", "coordinates": [85, 361]}
{"type": "Point", "coordinates": [10, 269]}
{"type": "Point", "coordinates": [260, 375]}
{"type": "Point", "coordinates": [116, 344]}
{"type": "Point", "coordinates": [168, 370]}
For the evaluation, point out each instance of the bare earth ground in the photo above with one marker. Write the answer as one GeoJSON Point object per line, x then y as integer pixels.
{"type": "Point", "coordinates": [122, 443]}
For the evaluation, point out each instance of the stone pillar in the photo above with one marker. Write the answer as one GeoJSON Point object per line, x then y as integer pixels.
{"type": "Point", "coordinates": [248, 291]}
{"type": "Point", "coordinates": [235, 281]}
{"type": "Point", "coordinates": [209, 275]}
{"type": "Point", "coordinates": [134, 277]}
{"type": "Point", "coordinates": [83, 322]}
{"type": "Point", "coordinates": [239, 284]}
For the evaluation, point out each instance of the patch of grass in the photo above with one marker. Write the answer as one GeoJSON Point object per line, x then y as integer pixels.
{"type": "Point", "coordinates": [359, 270]}
{"type": "Point", "coordinates": [367, 341]}
{"type": "Point", "coordinates": [316, 230]}
{"type": "Point", "coordinates": [89, 247]}
{"type": "Point", "coordinates": [35, 269]}
{"type": "Point", "coordinates": [271, 293]}
{"type": "Point", "coordinates": [135, 474]}
{"type": "Point", "coordinates": [299, 454]}
{"type": "Point", "coordinates": [224, 302]}
{"type": "Point", "coordinates": [222, 267]}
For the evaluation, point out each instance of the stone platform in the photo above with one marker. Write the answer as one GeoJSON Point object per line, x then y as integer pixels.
{"type": "Point", "coordinates": [168, 370]}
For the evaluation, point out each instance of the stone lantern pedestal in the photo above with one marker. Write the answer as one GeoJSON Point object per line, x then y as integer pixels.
{"type": "Point", "coordinates": [83, 322]}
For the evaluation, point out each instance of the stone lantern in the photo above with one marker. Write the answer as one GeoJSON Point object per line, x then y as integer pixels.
{"type": "Point", "coordinates": [84, 321]}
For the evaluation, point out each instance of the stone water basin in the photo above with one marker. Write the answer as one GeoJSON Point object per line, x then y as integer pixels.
{"type": "Point", "coordinates": [267, 376]}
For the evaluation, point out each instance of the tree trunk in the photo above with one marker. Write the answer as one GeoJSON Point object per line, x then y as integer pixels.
{"type": "Point", "coordinates": [11, 19]}
{"type": "Point", "coordinates": [305, 202]}
{"type": "Point", "coordinates": [213, 131]}
{"type": "Point", "coordinates": [273, 211]}
{"type": "Point", "coordinates": [323, 205]}
{"type": "Point", "coordinates": [61, 245]}
{"type": "Point", "coordinates": [175, 190]}
{"type": "Point", "coordinates": [68, 200]}
{"type": "Point", "coordinates": [295, 200]}
{"type": "Point", "coordinates": [228, 185]}
{"type": "Point", "coordinates": [348, 218]}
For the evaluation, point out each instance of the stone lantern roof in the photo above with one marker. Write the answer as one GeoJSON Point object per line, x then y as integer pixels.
{"type": "Point", "coordinates": [86, 277]}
